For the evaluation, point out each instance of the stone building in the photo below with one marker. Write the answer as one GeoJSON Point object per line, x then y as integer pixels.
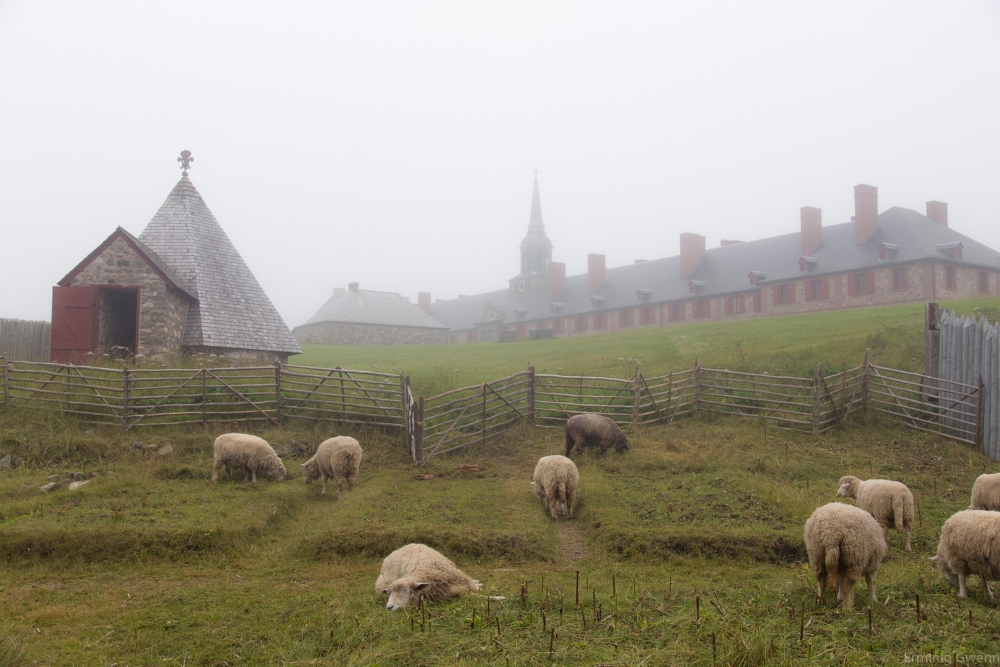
{"type": "Point", "coordinates": [367, 317]}
{"type": "Point", "coordinates": [180, 288]}
{"type": "Point", "coordinates": [896, 256]}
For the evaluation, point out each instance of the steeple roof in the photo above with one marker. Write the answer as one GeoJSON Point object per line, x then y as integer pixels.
{"type": "Point", "coordinates": [232, 310]}
{"type": "Point", "coordinates": [536, 229]}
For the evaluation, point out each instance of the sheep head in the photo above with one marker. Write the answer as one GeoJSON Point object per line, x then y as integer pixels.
{"type": "Point", "coordinates": [310, 471]}
{"type": "Point", "coordinates": [622, 444]}
{"type": "Point", "coordinates": [403, 592]}
{"type": "Point", "coordinates": [279, 473]}
{"type": "Point", "coordinates": [848, 487]}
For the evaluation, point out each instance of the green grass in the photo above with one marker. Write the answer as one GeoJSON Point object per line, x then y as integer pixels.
{"type": "Point", "coordinates": [693, 534]}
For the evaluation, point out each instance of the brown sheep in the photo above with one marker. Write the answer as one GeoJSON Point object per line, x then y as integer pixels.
{"type": "Point", "coordinates": [593, 430]}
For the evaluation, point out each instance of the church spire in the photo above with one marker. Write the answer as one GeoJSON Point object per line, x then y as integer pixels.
{"type": "Point", "coordinates": [536, 248]}
{"type": "Point", "coordinates": [536, 208]}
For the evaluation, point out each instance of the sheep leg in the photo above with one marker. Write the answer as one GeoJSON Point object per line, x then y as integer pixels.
{"type": "Point", "coordinates": [340, 486]}
{"type": "Point", "coordinates": [569, 503]}
{"type": "Point", "coordinates": [847, 590]}
{"type": "Point", "coordinates": [323, 475]}
{"type": "Point", "coordinates": [253, 476]}
{"type": "Point", "coordinates": [350, 483]}
{"type": "Point", "coordinates": [215, 472]}
{"type": "Point", "coordinates": [962, 593]}
{"type": "Point", "coordinates": [553, 502]}
{"type": "Point", "coordinates": [906, 534]}
{"type": "Point", "coordinates": [870, 580]}
{"type": "Point", "coordinates": [989, 593]}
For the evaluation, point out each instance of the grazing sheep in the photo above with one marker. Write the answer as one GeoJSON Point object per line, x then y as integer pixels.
{"type": "Point", "coordinates": [844, 542]}
{"type": "Point", "coordinates": [249, 453]}
{"type": "Point", "coordinates": [986, 493]}
{"type": "Point", "coordinates": [555, 482]}
{"type": "Point", "coordinates": [337, 458]}
{"type": "Point", "coordinates": [970, 544]}
{"type": "Point", "coordinates": [888, 501]}
{"type": "Point", "coordinates": [592, 430]}
{"type": "Point", "coordinates": [415, 570]}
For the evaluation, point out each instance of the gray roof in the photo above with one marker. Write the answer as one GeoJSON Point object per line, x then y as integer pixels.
{"type": "Point", "coordinates": [725, 270]}
{"type": "Point", "coordinates": [232, 310]}
{"type": "Point", "coordinates": [357, 306]}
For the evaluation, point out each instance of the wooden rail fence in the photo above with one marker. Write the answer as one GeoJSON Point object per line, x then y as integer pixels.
{"type": "Point", "coordinates": [134, 398]}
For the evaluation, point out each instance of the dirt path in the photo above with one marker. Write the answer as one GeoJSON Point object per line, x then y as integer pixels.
{"type": "Point", "coordinates": [570, 542]}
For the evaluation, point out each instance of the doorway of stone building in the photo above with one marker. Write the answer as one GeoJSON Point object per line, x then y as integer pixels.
{"type": "Point", "coordinates": [118, 321]}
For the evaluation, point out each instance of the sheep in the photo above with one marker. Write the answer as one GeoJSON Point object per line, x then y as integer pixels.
{"type": "Point", "coordinates": [970, 544]}
{"type": "Point", "coordinates": [593, 430]}
{"type": "Point", "coordinates": [843, 543]}
{"type": "Point", "coordinates": [337, 458]}
{"type": "Point", "coordinates": [986, 493]}
{"type": "Point", "coordinates": [415, 570]}
{"type": "Point", "coordinates": [888, 501]}
{"type": "Point", "coordinates": [555, 482]}
{"type": "Point", "coordinates": [248, 453]}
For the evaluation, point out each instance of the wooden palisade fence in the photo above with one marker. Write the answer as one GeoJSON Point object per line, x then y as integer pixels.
{"type": "Point", "coordinates": [133, 398]}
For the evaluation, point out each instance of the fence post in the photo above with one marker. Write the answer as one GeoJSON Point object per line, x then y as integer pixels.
{"type": "Point", "coordinates": [864, 383]}
{"type": "Point", "coordinates": [406, 411]}
{"type": "Point", "coordinates": [204, 398]}
{"type": "Point", "coordinates": [697, 385]}
{"type": "Point", "coordinates": [6, 384]}
{"type": "Point", "coordinates": [979, 413]}
{"type": "Point", "coordinates": [484, 413]}
{"type": "Point", "coordinates": [816, 400]}
{"type": "Point", "coordinates": [638, 397]}
{"type": "Point", "coordinates": [418, 441]}
{"type": "Point", "coordinates": [277, 389]}
{"type": "Point", "coordinates": [531, 394]}
{"type": "Point", "coordinates": [126, 394]}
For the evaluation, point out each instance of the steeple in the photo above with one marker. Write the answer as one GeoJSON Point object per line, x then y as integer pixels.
{"type": "Point", "coordinates": [536, 249]}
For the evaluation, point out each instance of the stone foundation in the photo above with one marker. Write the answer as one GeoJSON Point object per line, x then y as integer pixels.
{"type": "Point", "coordinates": [336, 333]}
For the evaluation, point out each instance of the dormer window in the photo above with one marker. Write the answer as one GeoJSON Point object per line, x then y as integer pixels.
{"type": "Point", "coordinates": [695, 285]}
{"type": "Point", "coordinates": [886, 250]}
{"type": "Point", "coordinates": [756, 277]}
{"type": "Point", "coordinates": [807, 263]}
{"type": "Point", "coordinates": [953, 249]}
{"type": "Point", "coordinates": [556, 307]}
{"type": "Point", "coordinates": [520, 313]}
{"type": "Point", "coordinates": [597, 301]}
{"type": "Point", "coordinates": [643, 294]}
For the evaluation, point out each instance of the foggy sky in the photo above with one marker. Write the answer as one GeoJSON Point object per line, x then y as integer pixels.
{"type": "Point", "coordinates": [393, 144]}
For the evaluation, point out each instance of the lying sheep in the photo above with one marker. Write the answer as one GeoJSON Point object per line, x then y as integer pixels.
{"type": "Point", "coordinates": [844, 542]}
{"type": "Point", "coordinates": [970, 544]}
{"type": "Point", "coordinates": [986, 493]}
{"type": "Point", "coordinates": [888, 501]}
{"type": "Point", "coordinates": [415, 570]}
{"type": "Point", "coordinates": [592, 430]}
{"type": "Point", "coordinates": [337, 458]}
{"type": "Point", "coordinates": [555, 482]}
{"type": "Point", "coordinates": [249, 453]}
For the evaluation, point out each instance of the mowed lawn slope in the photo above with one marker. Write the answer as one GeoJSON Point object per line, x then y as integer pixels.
{"type": "Point", "coordinates": [686, 550]}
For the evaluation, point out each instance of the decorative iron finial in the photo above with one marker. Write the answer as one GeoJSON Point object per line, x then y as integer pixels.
{"type": "Point", "coordinates": [185, 159]}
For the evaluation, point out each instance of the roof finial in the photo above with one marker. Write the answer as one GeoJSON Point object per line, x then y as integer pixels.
{"type": "Point", "coordinates": [185, 159]}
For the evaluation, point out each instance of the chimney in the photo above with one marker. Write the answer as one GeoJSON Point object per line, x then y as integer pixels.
{"type": "Point", "coordinates": [865, 213]}
{"type": "Point", "coordinates": [353, 287]}
{"type": "Point", "coordinates": [595, 271]}
{"type": "Point", "coordinates": [812, 229]}
{"type": "Point", "coordinates": [938, 212]}
{"type": "Point", "coordinates": [424, 301]}
{"type": "Point", "coordinates": [337, 291]}
{"type": "Point", "coordinates": [692, 252]}
{"type": "Point", "coordinates": [557, 278]}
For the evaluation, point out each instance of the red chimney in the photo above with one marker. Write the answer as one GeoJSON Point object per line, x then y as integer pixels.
{"type": "Point", "coordinates": [692, 252]}
{"type": "Point", "coordinates": [865, 213]}
{"type": "Point", "coordinates": [812, 229]}
{"type": "Point", "coordinates": [595, 271]}
{"type": "Point", "coordinates": [424, 301]}
{"type": "Point", "coordinates": [557, 278]}
{"type": "Point", "coordinates": [938, 212]}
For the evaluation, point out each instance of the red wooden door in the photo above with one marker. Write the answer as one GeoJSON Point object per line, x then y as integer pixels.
{"type": "Point", "coordinates": [74, 323]}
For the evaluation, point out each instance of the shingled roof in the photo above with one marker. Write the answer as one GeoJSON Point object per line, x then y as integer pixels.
{"type": "Point", "coordinates": [357, 306]}
{"type": "Point", "coordinates": [232, 310]}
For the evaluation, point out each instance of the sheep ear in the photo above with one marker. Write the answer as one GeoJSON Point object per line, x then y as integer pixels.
{"type": "Point", "coordinates": [420, 586]}
{"type": "Point", "coordinates": [385, 591]}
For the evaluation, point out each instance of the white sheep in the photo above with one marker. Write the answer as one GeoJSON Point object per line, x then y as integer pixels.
{"type": "Point", "coordinates": [970, 544]}
{"type": "Point", "coordinates": [986, 493]}
{"type": "Point", "coordinates": [415, 570]}
{"type": "Point", "coordinates": [239, 451]}
{"type": "Point", "coordinates": [337, 458]}
{"type": "Point", "coordinates": [891, 503]}
{"type": "Point", "coordinates": [555, 481]}
{"type": "Point", "coordinates": [844, 543]}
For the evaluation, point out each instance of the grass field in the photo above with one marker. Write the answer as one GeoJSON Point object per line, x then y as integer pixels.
{"type": "Point", "coordinates": [689, 547]}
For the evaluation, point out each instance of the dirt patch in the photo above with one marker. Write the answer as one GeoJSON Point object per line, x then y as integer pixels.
{"type": "Point", "coordinates": [570, 545]}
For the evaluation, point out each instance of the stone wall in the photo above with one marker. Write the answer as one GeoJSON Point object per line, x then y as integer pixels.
{"type": "Point", "coordinates": [337, 333]}
{"type": "Point", "coordinates": [234, 357]}
{"type": "Point", "coordinates": [163, 310]}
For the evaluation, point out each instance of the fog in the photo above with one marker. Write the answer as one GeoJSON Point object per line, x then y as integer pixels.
{"type": "Point", "coordinates": [394, 144]}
